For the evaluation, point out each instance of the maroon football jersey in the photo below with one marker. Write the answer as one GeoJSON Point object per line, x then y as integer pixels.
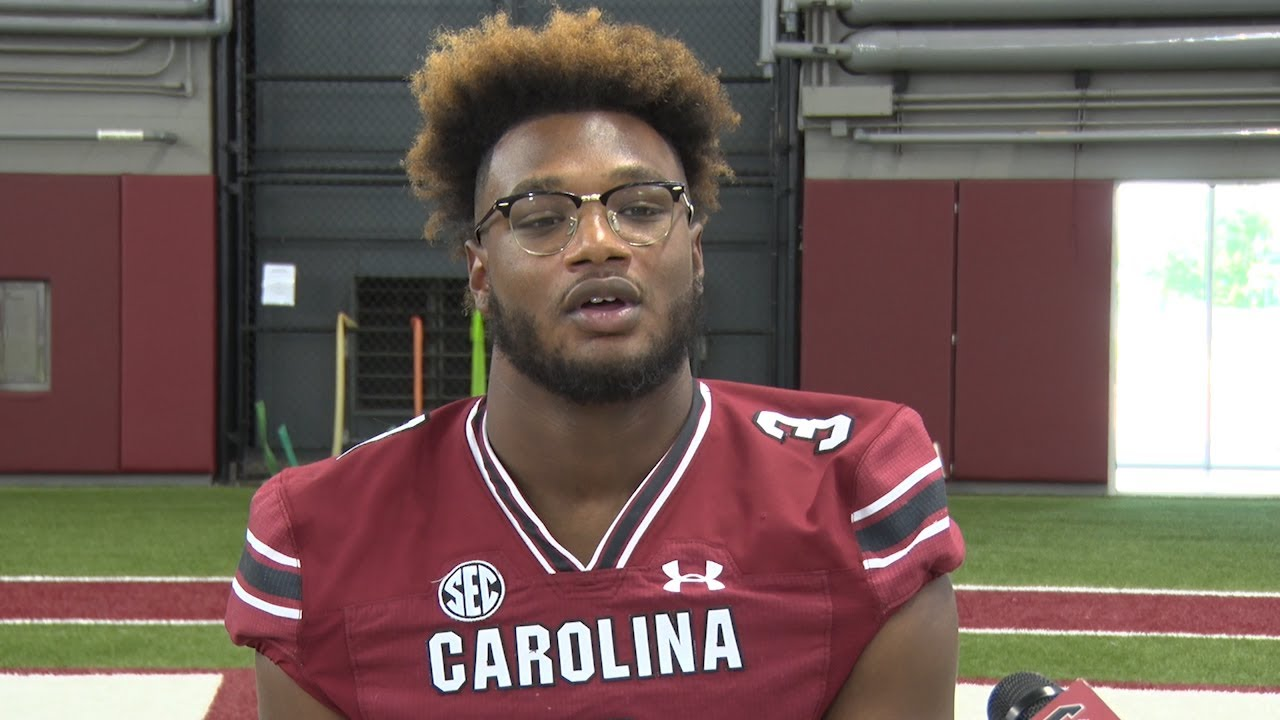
{"type": "Point", "coordinates": [409, 578]}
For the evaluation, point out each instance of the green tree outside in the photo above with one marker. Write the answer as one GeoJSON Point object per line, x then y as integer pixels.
{"type": "Point", "coordinates": [1246, 265]}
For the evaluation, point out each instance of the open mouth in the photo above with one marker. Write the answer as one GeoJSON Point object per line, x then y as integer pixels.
{"type": "Point", "coordinates": [605, 306]}
{"type": "Point", "coordinates": [604, 303]}
{"type": "Point", "coordinates": [606, 315]}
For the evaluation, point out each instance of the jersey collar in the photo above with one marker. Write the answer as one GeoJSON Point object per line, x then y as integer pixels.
{"type": "Point", "coordinates": [635, 517]}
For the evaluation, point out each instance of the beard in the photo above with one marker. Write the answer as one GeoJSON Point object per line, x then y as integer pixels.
{"type": "Point", "coordinates": [598, 382]}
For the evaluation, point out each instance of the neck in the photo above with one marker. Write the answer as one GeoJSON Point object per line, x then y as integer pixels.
{"type": "Point", "coordinates": [555, 448]}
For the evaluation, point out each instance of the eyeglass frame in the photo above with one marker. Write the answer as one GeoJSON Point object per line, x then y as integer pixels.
{"type": "Point", "coordinates": [679, 191]}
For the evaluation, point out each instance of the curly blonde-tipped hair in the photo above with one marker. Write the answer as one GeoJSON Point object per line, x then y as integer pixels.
{"type": "Point", "coordinates": [483, 81]}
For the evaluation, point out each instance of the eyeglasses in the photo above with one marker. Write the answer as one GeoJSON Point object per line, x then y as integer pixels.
{"type": "Point", "coordinates": [543, 221]}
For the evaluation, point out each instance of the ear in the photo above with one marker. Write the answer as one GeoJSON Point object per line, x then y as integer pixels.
{"type": "Point", "coordinates": [695, 247]}
{"type": "Point", "coordinates": [478, 275]}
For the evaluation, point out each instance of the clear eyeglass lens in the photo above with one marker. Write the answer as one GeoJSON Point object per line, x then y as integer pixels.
{"type": "Point", "coordinates": [640, 215]}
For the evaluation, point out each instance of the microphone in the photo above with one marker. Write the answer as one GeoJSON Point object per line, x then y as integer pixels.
{"type": "Point", "coordinates": [1020, 696]}
{"type": "Point", "coordinates": [1032, 696]}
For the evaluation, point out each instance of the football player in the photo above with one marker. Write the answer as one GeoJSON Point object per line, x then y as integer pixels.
{"type": "Point", "coordinates": [602, 535]}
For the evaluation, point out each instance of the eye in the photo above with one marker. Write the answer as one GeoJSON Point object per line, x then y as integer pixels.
{"type": "Point", "coordinates": [538, 222]}
{"type": "Point", "coordinates": [641, 211]}
{"type": "Point", "coordinates": [540, 214]}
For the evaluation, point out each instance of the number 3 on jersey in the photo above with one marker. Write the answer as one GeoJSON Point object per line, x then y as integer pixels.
{"type": "Point", "coordinates": [778, 426]}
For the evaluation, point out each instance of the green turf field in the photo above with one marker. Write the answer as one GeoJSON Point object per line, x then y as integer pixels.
{"type": "Point", "coordinates": [1201, 544]}
{"type": "Point", "coordinates": [74, 646]}
{"type": "Point", "coordinates": [1119, 542]}
{"type": "Point", "coordinates": [122, 531]}
{"type": "Point", "coordinates": [1173, 661]}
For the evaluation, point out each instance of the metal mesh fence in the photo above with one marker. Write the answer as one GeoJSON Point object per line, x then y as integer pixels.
{"type": "Point", "coordinates": [328, 117]}
{"type": "Point", "coordinates": [384, 352]}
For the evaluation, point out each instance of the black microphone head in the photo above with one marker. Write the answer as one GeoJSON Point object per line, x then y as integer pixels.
{"type": "Point", "coordinates": [1020, 696]}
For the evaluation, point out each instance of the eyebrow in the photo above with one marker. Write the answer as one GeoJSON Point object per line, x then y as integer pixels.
{"type": "Point", "coordinates": [621, 175]}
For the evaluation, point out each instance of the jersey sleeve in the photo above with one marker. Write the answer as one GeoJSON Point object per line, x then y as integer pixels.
{"type": "Point", "coordinates": [905, 533]}
{"type": "Point", "coordinates": [264, 608]}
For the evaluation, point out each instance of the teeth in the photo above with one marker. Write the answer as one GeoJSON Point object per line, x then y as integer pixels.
{"type": "Point", "coordinates": [597, 300]}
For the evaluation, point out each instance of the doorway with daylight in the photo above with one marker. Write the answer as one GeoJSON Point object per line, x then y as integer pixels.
{"type": "Point", "coordinates": [1196, 338]}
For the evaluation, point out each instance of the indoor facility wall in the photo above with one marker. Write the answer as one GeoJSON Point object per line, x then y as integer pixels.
{"type": "Point", "coordinates": [1016, 274]}
{"type": "Point", "coordinates": [129, 263]}
{"type": "Point", "coordinates": [105, 105]}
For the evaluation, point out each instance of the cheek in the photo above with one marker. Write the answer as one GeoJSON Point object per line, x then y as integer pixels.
{"type": "Point", "coordinates": [678, 273]}
{"type": "Point", "coordinates": [520, 290]}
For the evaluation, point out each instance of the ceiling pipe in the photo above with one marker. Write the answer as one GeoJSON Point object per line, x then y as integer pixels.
{"type": "Point", "coordinates": [1056, 49]}
{"type": "Point", "coordinates": [866, 12]}
{"type": "Point", "coordinates": [768, 34]}
{"type": "Point", "coordinates": [1261, 122]}
{"type": "Point", "coordinates": [99, 135]}
{"type": "Point", "coordinates": [1089, 94]}
{"type": "Point", "coordinates": [1091, 105]}
{"type": "Point", "coordinates": [812, 51]}
{"type": "Point", "coordinates": [219, 24]}
{"type": "Point", "coordinates": [64, 48]}
{"type": "Point", "coordinates": [115, 7]}
{"type": "Point", "coordinates": [175, 90]}
{"type": "Point", "coordinates": [1071, 137]}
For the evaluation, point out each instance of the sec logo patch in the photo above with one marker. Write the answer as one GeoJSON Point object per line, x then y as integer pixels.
{"type": "Point", "coordinates": [472, 591]}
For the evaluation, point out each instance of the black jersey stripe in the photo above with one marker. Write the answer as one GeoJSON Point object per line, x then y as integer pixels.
{"type": "Point", "coordinates": [530, 526]}
{"type": "Point", "coordinates": [904, 522]}
{"type": "Point", "coordinates": [269, 580]}
{"type": "Point", "coordinates": [654, 484]}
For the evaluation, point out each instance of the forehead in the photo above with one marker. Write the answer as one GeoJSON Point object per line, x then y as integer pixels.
{"type": "Point", "coordinates": [578, 151]}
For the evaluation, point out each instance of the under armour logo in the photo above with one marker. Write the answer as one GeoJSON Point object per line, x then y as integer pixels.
{"type": "Point", "coordinates": [672, 569]}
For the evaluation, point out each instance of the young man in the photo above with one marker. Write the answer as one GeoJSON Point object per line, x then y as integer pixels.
{"type": "Point", "coordinates": [602, 535]}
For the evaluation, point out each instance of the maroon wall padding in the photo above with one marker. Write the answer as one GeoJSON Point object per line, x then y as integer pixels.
{"type": "Point", "coordinates": [876, 297]}
{"type": "Point", "coordinates": [66, 230]}
{"type": "Point", "coordinates": [168, 324]}
{"type": "Point", "coordinates": [1033, 325]}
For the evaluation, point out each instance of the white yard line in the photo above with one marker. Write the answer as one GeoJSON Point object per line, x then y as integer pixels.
{"type": "Point", "coordinates": [1112, 633]}
{"type": "Point", "coordinates": [103, 621]}
{"type": "Point", "coordinates": [961, 587]}
{"type": "Point", "coordinates": [175, 696]}
{"type": "Point", "coordinates": [1118, 591]}
{"type": "Point", "coordinates": [963, 630]}
{"type": "Point", "coordinates": [113, 579]}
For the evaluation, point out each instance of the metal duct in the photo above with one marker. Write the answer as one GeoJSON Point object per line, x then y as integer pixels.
{"type": "Point", "coordinates": [99, 7]}
{"type": "Point", "coordinates": [867, 12]}
{"type": "Point", "coordinates": [99, 135]}
{"type": "Point", "coordinates": [219, 24]}
{"type": "Point", "coordinates": [811, 51]}
{"type": "Point", "coordinates": [768, 32]}
{"type": "Point", "coordinates": [27, 46]}
{"type": "Point", "coordinates": [1040, 137]}
{"type": "Point", "coordinates": [1053, 49]}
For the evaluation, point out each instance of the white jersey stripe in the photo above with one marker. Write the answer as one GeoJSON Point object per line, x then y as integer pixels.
{"type": "Point", "coordinates": [929, 531]}
{"type": "Point", "coordinates": [263, 605]}
{"type": "Point", "coordinates": [411, 423]}
{"type": "Point", "coordinates": [478, 456]}
{"type": "Point", "coordinates": [270, 552]}
{"type": "Point", "coordinates": [519, 498]}
{"type": "Point", "coordinates": [658, 502]}
{"type": "Point", "coordinates": [608, 533]}
{"type": "Point", "coordinates": [528, 521]}
{"type": "Point", "coordinates": [912, 480]}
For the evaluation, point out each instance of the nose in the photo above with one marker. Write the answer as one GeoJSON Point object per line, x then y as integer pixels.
{"type": "Point", "coordinates": [593, 238]}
